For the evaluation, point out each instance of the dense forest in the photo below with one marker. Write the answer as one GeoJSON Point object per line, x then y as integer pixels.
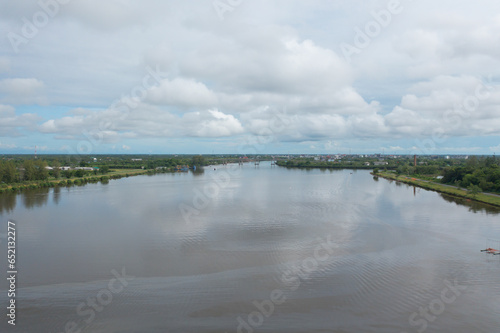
{"type": "Point", "coordinates": [483, 172]}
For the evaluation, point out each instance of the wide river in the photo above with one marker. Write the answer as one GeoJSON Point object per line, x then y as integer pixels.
{"type": "Point", "coordinates": [250, 249]}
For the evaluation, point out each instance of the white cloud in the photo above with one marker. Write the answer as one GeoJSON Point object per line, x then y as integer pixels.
{"type": "Point", "coordinates": [4, 65]}
{"type": "Point", "coordinates": [12, 124]}
{"type": "Point", "coordinates": [456, 106]}
{"type": "Point", "coordinates": [495, 149]}
{"type": "Point", "coordinates": [229, 78]}
{"type": "Point", "coordinates": [144, 122]}
{"type": "Point", "coordinates": [7, 145]}
{"type": "Point", "coordinates": [289, 66]}
{"type": "Point", "coordinates": [183, 93]}
{"type": "Point", "coordinates": [37, 148]}
{"type": "Point", "coordinates": [212, 123]}
{"type": "Point", "coordinates": [22, 91]}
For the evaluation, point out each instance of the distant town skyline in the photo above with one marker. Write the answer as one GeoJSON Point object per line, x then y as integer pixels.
{"type": "Point", "coordinates": [250, 77]}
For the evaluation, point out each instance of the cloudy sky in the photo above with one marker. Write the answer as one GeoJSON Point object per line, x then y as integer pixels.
{"type": "Point", "coordinates": [241, 76]}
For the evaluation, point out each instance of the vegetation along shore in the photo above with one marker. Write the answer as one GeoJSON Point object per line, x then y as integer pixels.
{"type": "Point", "coordinates": [473, 177]}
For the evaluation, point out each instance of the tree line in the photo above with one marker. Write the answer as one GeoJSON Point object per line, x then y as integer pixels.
{"type": "Point", "coordinates": [36, 170]}
{"type": "Point", "coordinates": [29, 170]}
{"type": "Point", "coordinates": [19, 168]}
{"type": "Point", "coordinates": [481, 172]}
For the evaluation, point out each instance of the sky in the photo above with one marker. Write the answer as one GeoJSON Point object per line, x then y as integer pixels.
{"type": "Point", "coordinates": [249, 77]}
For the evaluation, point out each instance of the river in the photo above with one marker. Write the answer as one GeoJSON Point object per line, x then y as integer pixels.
{"type": "Point", "coordinates": [250, 249]}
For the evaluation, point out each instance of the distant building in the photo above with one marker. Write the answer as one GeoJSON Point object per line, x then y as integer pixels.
{"type": "Point", "coordinates": [380, 163]}
{"type": "Point", "coordinates": [84, 168]}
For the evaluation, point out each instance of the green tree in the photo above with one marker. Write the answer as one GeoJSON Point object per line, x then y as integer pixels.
{"type": "Point", "coordinates": [104, 169]}
{"type": "Point", "coordinates": [472, 162]}
{"type": "Point", "coordinates": [41, 173]}
{"type": "Point", "coordinates": [9, 172]}
{"type": "Point", "coordinates": [57, 169]}
{"type": "Point", "coordinates": [198, 160]}
{"type": "Point", "coordinates": [29, 170]}
{"type": "Point", "coordinates": [474, 190]}
{"type": "Point", "coordinates": [79, 173]}
{"type": "Point", "coordinates": [489, 161]}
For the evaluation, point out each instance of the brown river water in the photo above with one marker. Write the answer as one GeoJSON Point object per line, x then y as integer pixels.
{"type": "Point", "coordinates": [250, 249]}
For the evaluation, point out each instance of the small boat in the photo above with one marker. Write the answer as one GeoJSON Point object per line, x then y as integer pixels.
{"type": "Point", "coordinates": [491, 251]}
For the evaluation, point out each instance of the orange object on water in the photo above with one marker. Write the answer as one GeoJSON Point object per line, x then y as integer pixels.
{"type": "Point", "coordinates": [491, 250]}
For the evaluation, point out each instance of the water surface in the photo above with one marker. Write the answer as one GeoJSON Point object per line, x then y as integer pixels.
{"type": "Point", "coordinates": [209, 252]}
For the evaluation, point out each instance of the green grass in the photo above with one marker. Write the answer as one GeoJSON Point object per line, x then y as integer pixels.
{"type": "Point", "coordinates": [484, 198]}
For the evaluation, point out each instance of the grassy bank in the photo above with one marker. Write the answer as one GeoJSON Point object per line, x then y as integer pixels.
{"type": "Point", "coordinates": [429, 185]}
{"type": "Point", "coordinates": [53, 182]}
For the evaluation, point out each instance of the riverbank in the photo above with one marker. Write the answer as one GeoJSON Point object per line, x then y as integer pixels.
{"type": "Point", "coordinates": [486, 198]}
{"type": "Point", "coordinates": [53, 182]}
{"type": "Point", "coordinates": [328, 165]}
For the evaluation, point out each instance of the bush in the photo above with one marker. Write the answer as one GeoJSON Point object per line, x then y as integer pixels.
{"type": "Point", "coordinates": [79, 173]}
{"type": "Point", "coordinates": [104, 169]}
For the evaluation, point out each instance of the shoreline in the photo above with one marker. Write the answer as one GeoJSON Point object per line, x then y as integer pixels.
{"type": "Point", "coordinates": [78, 181]}
{"type": "Point", "coordinates": [329, 165]}
{"type": "Point", "coordinates": [484, 198]}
